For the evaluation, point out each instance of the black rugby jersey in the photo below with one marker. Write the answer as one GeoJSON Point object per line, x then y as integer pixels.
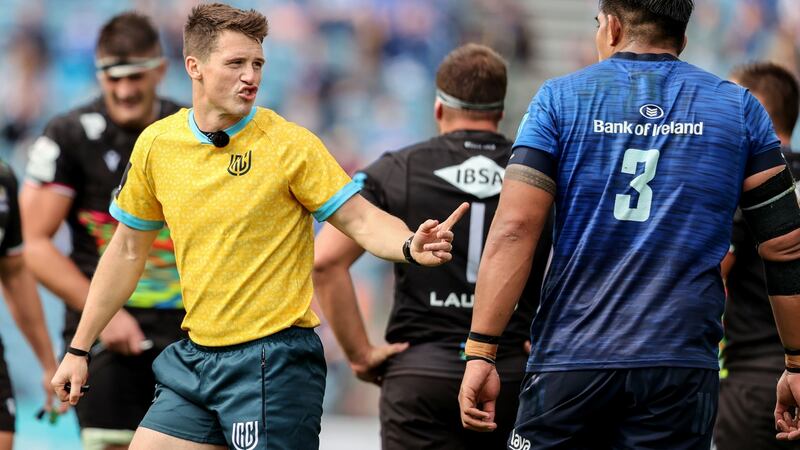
{"type": "Point", "coordinates": [10, 228]}
{"type": "Point", "coordinates": [83, 154]}
{"type": "Point", "coordinates": [10, 225]}
{"type": "Point", "coordinates": [433, 306]}
{"type": "Point", "coordinates": [753, 347]}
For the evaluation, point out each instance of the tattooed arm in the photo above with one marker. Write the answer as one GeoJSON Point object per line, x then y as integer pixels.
{"type": "Point", "coordinates": [524, 205]}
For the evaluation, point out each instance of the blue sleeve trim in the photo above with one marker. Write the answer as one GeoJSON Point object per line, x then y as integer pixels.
{"type": "Point", "coordinates": [337, 200]}
{"type": "Point", "coordinates": [538, 144]}
{"type": "Point", "coordinates": [133, 221]}
{"type": "Point", "coordinates": [534, 158]}
{"type": "Point", "coordinates": [359, 179]}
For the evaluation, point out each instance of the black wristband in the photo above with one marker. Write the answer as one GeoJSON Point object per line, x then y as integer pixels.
{"type": "Point", "coordinates": [485, 338]}
{"type": "Point", "coordinates": [407, 251]}
{"type": "Point", "coordinates": [482, 358]}
{"type": "Point", "coordinates": [791, 352]}
{"type": "Point", "coordinates": [79, 352]}
{"type": "Point", "coordinates": [793, 369]}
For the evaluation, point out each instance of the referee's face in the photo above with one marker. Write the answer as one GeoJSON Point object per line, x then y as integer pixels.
{"type": "Point", "coordinates": [231, 74]}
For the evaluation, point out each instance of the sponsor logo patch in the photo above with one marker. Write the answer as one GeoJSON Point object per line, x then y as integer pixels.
{"type": "Point", "coordinates": [112, 160]}
{"type": "Point", "coordinates": [651, 111]}
{"type": "Point", "coordinates": [517, 442]}
{"type": "Point", "coordinates": [42, 159]}
{"type": "Point", "coordinates": [93, 124]}
{"type": "Point", "coordinates": [479, 176]}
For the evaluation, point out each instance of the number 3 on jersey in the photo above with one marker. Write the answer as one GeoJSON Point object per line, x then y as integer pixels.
{"type": "Point", "coordinates": [622, 206]}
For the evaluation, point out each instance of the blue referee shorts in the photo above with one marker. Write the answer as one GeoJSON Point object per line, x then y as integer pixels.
{"type": "Point", "coordinates": [647, 408]}
{"type": "Point", "coordinates": [264, 394]}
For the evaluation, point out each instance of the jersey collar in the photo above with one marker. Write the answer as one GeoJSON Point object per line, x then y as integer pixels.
{"type": "Point", "coordinates": [645, 56]}
{"type": "Point", "coordinates": [232, 130]}
{"type": "Point", "coordinates": [464, 134]}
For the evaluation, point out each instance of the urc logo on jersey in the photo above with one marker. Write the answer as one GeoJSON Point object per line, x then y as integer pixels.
{"type": "Point", "coordinates": [240, 164]}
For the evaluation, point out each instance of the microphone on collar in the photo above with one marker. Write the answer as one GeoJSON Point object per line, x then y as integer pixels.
{"type": "Point", "coordinates": [218, 138]}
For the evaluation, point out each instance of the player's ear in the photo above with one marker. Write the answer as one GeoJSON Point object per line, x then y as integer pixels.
{"type": "Point", "coordinates": [193, 68]}
{"type": "Point", "coordinates": [614, 30]}
{"type": "Point", "coordinates": [438, 110]}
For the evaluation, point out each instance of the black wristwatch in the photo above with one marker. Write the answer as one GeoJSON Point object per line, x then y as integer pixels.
{"type": "Point", "coordinates": [407, 251]}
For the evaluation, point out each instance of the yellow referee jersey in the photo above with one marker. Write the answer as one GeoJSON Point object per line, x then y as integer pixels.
{"type": "Point", "coordinates": [240, 218]}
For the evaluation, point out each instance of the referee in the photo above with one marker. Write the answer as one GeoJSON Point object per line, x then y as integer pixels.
{"type": "Point", "coordinates": [238, 186]}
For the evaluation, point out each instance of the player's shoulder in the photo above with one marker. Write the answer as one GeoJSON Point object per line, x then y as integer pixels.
{"type": "Point", "coordinates": [399, 158]}
{"type": "Point", "coordinates": [175, 122]}
{"type": "Point", "coordinates": [404, 153]}
{"type": "Point", "coordinates": [173, 125]}
{"type": "Point", "coordinates": [589, 75]}
{"type": "Point", "coordinates": [729, 99]}
{"type": "Point", "coordinates": [82, 121]}
{"type": "Point", "coordinates": [690, 73]}
{"type": "Point", "coordinates": [282, 131]}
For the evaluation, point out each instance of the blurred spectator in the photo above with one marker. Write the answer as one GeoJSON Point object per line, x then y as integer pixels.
{"type": "Point", "coordinates": [24, 88]}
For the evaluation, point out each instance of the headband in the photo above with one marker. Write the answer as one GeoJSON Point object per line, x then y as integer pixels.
{"type": "Point", "coordinates": [122, 67]}
{"type": "Point", "coordinates": [456, 103]}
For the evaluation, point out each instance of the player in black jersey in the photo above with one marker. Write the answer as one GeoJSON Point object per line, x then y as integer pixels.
{"type": "Point", "coordinates": [19, 290]}
{"type": "Point", "coordinates": [753, 354]}
{"type": "Point", "coordinates": [420, 370]}
{"type": "Point", "coordinates": [73, 170]}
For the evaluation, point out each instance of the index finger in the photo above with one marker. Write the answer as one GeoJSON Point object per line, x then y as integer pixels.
{"type": "Point", "coordinates": [75, 389]}
{"type": "Point", "coordinates": [455, 217]}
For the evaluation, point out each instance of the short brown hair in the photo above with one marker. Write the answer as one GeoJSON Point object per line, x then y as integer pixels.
{"type": "Point", "coordinates": [128, 34]}
{"type": "Point", "coordinates": [207, 21]}
{"type": "Point", "coordinates": [475, 74]}
{"type": "Point", "coordinates": [776, 87]}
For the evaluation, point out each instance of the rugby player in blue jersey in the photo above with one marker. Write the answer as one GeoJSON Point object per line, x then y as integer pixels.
{"type": "Point", "coordinates": [646, 159]}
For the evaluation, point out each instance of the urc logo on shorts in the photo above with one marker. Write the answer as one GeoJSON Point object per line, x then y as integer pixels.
{"type": "Point", "coordinates": [244, 435]}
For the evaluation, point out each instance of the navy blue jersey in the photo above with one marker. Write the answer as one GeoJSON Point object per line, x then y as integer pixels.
{"type": "Point", "coordinates": [650, 155]}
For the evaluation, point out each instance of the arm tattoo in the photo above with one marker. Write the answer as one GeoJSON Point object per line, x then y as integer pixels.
{"type": "Point", "coordinates": [531, 176]}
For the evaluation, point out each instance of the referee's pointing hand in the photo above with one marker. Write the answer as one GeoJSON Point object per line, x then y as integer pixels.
{"type": "Point", "coordinates": [432, 242]}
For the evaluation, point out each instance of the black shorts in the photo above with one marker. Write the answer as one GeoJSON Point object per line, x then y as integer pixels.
{"type": "Point", "coordinates": [745, 419]}
{"type": "Point", "coordinates": [647, 408]}
{"type": "Point", "coordinates": [7, 408]}
{"type": "Point", "coordinates": [421, 412]}
{"type": "Point", "coordinates": [123, 387]}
